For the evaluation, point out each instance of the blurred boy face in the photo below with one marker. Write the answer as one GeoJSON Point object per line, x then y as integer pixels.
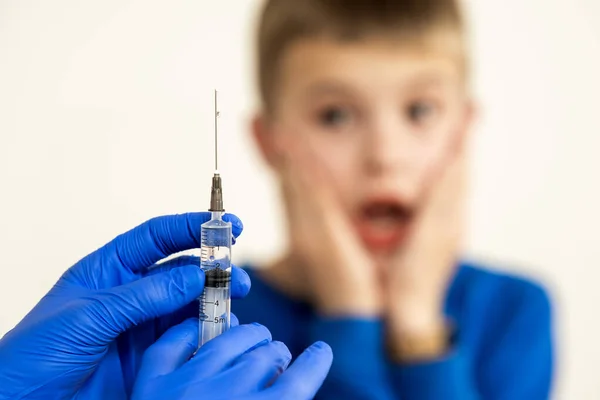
{"type": "Point", "coordinates": [382, 118]}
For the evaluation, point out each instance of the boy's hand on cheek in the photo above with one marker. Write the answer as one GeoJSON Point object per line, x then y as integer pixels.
{"type": "Point", "coordinates": [339, 273]}
{"type": "Point", "coordinates": [421, 272]}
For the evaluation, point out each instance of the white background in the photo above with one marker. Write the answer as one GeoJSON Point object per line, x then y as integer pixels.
{"type": "Point", "coordinates": [105, 121]}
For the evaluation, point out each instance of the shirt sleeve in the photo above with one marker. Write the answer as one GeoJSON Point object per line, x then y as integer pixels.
{"type": "Point", "coordinates": [513, 363]}
{"type": "Point", "coordinates": [359, 369]}
{"type": "Point", "coordinates": [518, 361]}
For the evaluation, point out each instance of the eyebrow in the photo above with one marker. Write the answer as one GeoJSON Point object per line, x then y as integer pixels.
{"type": "Point", "coordinates": [418, 81]}
{"type": "Point", "coordinates": [415, 82]}
{"type": "Point", "coordinates": [323, 87]}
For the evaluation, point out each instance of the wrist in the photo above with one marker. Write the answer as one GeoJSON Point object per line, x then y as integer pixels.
{"type": "Point", "coordinates": [415, 322]}
{"type": "Point", "coordinates": [351, 301]}
{"type": "Point", "coordinates": [417, 335]}
{"type": "Point", "coordinates": [338, 305]}
{"type": "Point", "coordinates": [425, 345]}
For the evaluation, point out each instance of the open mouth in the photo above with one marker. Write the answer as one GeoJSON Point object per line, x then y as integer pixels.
{"type": "Point", "coordinates": [383, 224]}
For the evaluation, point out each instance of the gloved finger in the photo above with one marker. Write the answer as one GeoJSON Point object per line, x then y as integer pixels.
{"type": "Point", "coordinates": [117, 309]}
{"type": "Point", "coordinates": [240, 286]}
{"type": "Point", "coordinates": [234, 321]}
{"type": "Point", "coordinates": [240, 281]}
{"type": "Point", "coordinates": [304, 377]}
{"type": "Point", "coordinates": [254, 370]}
{"type": "Point", "coordinates": [172, 263]}
{"type": "Point", "coordinates": [219, 353]}
{"type": "Point", "coordinates": [170, 351]}
{"type": "Point", "coordinates": [156, 239]}
{"type": "Point", "coordinates": [236, 224]}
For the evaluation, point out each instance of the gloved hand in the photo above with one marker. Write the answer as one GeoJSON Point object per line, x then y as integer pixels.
{"type": "Point", "coordinates": [241, 364]}
{"type": "Point", "coordinates": [67, 345]}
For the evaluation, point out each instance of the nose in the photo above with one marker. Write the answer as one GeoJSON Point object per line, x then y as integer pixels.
{"type": "Point", "coordinates": [386, 149]}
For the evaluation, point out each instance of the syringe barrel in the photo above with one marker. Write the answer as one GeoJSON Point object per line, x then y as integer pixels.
{"type": "Point", "coordinates": [215, 261]}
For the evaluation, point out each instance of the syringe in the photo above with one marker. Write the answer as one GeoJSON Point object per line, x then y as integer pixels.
{"type": "Point", "coordinates": [215, 261]}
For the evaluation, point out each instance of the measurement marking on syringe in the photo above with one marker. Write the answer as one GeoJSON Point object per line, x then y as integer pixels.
{"type": "Point", "coordinates": [217, 320]}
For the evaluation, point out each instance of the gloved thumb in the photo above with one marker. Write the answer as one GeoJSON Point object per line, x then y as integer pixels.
{"type": "Point", "coordinates": [113, 311]}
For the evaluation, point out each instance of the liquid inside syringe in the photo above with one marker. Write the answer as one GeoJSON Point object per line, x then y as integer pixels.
{"type": "Point", "coordinates": [215, 260]}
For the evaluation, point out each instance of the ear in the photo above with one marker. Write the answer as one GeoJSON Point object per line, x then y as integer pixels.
{"type": "Point", "coordinates": [264, 137]}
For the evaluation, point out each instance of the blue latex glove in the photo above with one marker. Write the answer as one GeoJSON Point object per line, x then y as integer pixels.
{"type": "Point", "coordinates": [66, 346]}
{"type": "Point", "coordinates": [242, 363]}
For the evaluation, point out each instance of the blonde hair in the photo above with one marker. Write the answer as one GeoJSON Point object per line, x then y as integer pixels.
{"type": "Point", "coordinates": [284, 22]}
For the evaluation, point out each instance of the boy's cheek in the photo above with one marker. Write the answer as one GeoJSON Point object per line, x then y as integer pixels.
{"type": "Point", "coordinates": [338, 159]}
{"type": "Point", "coordinates": [435, 160]}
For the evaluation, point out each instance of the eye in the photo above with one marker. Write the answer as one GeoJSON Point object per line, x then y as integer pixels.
{"type": "Point", "coordinates": [421, 112]}
{"type": "Point", "coordinates": [334, 116]}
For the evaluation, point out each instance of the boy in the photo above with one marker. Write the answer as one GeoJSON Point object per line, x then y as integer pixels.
{"type": "Point", "coordinates": [365, 114]}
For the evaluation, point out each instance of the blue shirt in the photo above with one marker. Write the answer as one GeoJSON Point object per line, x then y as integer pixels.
{"type": "Point", "coordinates": [502, 349]}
